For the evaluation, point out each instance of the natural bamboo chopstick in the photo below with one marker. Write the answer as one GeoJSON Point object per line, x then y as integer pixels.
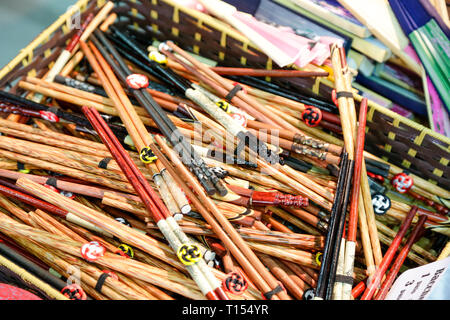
{"type": "Point", "coordinates": [364, 183]}
{"type": "Point", "coordinates": [350, 245]}
{"type": "Point", "coordinates": [349, 138]}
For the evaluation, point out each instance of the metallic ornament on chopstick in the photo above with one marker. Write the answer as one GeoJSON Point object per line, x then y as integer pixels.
{"type": "Point", "coordinates": [220, 172]}
{"type": "Point", "coordinates": [49, 116]}
{"type": "Point", "coordinates": [235, 283]}
{"type": "Point", "coordinates": [402, 182]}
{"type": "Point", "coordinates": [147, 156]}
{"type": "Point", "coordinates": [189, 254]}
{"type": "Point", "coordinates": [312, 116]}
{"type": "Point", "coordinates": [92, 251]}
{"type": "Point", "coordinates": [74, 292]}
{"type": "Point", "coordinates": [137, 81]}
{"type": "Point", "coordinates": [381, 203]}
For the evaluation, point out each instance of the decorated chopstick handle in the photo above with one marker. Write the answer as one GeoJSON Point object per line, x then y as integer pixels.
{"type": "Point", "coordinates": [316, 144]}
{"type": "Point", "coordinates": [232, 126]}
{"type": "Point", "coordinates": [329, 158]}
{"type": "Point", "coordinates": [223, 104]}
{"type": "Point", "coordinates": [201, 264]}
{"type": "Point", "coordinates": [212, 109]}
{"type": "Point", "coordinates": [45, 115]}
{"type": "Point", "coordinates": [188, 254]}
{"type": "Point", "coordinates": [260, 198]}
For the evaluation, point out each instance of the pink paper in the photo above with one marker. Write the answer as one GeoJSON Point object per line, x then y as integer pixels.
{"type": "Point", "coordinates": [328, 41]}
{"type": "Point", "coordinates": [277, 37]}
{"type": "Point", "coordinates": [300, 49]}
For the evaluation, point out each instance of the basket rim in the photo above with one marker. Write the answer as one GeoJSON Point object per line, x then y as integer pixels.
{"type": "Point", "coordinates": [213, 22]}
{"type": "Point", "coordinates": [408, 122]}
{"type": "Point", "coordinates": [28, 50]}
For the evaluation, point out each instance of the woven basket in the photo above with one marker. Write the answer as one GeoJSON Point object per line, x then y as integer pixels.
{"type": "Point", "coordinates": [390, 136]}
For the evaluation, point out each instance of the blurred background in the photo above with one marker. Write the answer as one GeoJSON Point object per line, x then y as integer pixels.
{"type": "Point", "coordinates": [22, 20]}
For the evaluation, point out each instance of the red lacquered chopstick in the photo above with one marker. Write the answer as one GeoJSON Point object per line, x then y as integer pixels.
{"type": "Point", "coordinates": [398, 262]}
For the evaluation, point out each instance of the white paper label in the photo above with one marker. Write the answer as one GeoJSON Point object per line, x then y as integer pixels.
{"type": "Point", "coordinates": [419, 283]}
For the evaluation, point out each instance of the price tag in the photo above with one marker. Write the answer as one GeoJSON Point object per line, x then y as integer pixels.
{"type": "Point", "coordinates": [428, 282]}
